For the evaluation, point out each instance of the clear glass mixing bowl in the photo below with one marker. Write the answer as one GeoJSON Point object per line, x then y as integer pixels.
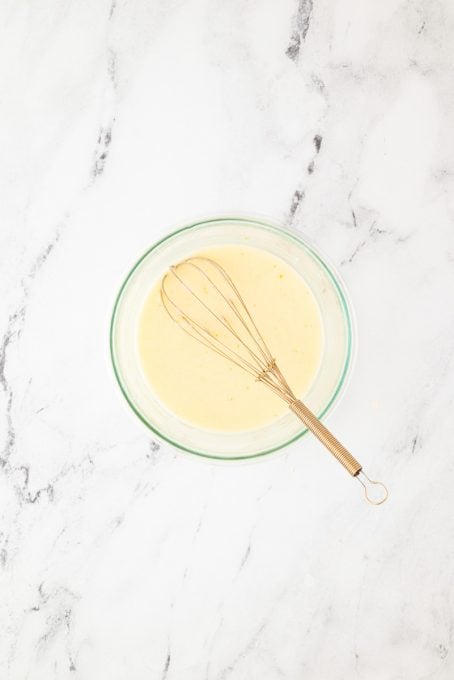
{"type": "Point", "coordinates": [335, 313]}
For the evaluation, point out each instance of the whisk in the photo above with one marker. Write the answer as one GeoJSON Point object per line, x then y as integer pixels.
{"type": "Point", "coordinates": [206, 304]}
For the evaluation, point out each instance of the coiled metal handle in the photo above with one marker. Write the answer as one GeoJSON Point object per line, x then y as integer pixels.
{"type": "Point", "coordinates": [375, 492]}
{"type": "Point", "coordinates": [324, 435]}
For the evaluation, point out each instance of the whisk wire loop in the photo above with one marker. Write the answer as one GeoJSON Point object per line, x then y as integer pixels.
{"type": "Point", "coordinates": [203, 335]}
{"type": "Point", "coordinates": [219, 318]}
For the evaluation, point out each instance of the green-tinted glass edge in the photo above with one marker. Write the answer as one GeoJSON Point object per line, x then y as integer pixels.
{"type": "Point", "coordinates": [269, 227]}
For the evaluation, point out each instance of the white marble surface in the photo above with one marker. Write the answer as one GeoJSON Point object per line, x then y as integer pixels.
{"type": "Point", "coordinates": [120, 558]}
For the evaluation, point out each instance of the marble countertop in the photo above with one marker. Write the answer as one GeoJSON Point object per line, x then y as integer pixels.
{"type": "Point", "coordinates": [119, 557]}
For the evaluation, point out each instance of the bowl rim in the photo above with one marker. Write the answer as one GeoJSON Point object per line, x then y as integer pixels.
{"type": "Point", "coordinates": [335, 279]}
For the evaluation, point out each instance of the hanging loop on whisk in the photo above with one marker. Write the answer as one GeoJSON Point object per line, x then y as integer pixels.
{"type": "Point", "coordinates": [375, 492]}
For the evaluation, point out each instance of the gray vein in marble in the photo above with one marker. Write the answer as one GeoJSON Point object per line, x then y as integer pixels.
{"type": "Point", "coordinates": [415, 443]}
{"type": "Point", "coordinates": [403, 239]}
{"type": "Point", "coordinates": [112, 68]}
{"type": "Point", "coordinates": [102, 150]}
{"type": "Point", "coordinates": [157, 457]}
{"type": "Point", "coordinates": [42, 599]}
{"type": "Point", "coordinates": [113, 7]}
{"type": "Point", "coordinates": [43, 256]}
{"type": "Point", "coordinates": [199, 523]}
{"type": "Point", "coordinates": [299, 193]}
{"type": "Point", "coordinates": [10, 430]}
{"type": "Point", "coordinates": [376, 231]}
{"type": "Point", "coordinates": [301, 23]}
{"type": "Point", "coordinates": [55, 623]}
{"type": "Point", "coordinates": [226, 672]}
{"type": "Point", "coordinates": [194, 537]}
{"type": "Point", "coordinates": [297, 198]}
{"type": "Point", "coordinates": [105, 133]}
{"type": "Point", "coordinates": [154, 451]}
{"type": "Point", "coordinates": [265, 492]}
{"type": "Point", "coordinates": [60, 620]}
{"type": "Point", "coordinates": [369, 234]}
{"type": "Point", "coordinates": [213, 641]}
{"type": "Point", "coordinates": [443, 651]}
{"type": "Point", "coordinates": [13, 332]}
{"type": "Point", "coordinates": [357, 249]}
{"type": "Point", "coordinates": [319, 84]}
{"type": "Point", "coordinates": [318, 143]}
{"type": "Point", "coordinates": [25, 495]}
{"type": "Point", "coordinates": [166, 666]}
{"type": "Point", "coordinates": [245, 557]}
{"type": "Point", "coordinates": [352, 210]}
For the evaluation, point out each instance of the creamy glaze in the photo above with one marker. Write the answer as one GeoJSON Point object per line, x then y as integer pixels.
{"type": "Point", "coordinates": [206, 389]}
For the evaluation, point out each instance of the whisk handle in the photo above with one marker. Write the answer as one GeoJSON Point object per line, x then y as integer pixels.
{"type": "Point", "coordinates": [375, 492]}
{"type": "Point", "coordinates": [324, 435]}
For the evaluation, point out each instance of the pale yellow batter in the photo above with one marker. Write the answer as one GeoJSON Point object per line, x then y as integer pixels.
{"type": "Point", "coordinates": [207, 390]}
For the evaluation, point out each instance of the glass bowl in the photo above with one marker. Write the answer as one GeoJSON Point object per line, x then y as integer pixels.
{"type": "Point", "coordinates": [335, 312]}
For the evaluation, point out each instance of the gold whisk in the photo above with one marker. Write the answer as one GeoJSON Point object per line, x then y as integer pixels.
{"type": "Point", "coordinates": [221, 321]}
